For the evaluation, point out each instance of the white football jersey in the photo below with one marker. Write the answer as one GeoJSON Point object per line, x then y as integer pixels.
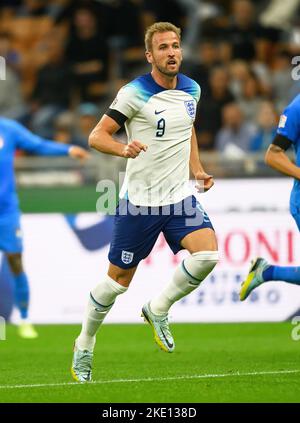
{"type": "Point", "coordinates": [162, 119]}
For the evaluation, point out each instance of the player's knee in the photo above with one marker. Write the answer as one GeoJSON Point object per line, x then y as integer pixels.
{"type": "Point", "coordinates": [15, 262]}
{"type": "Point", "coordinates": [120, 275]}
{"type": "Point", "coordinates": [199, 265]}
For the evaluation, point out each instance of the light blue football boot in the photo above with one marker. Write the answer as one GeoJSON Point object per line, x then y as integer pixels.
{"type": "Point", "coordinates": [161, 330]}
{"type": "Point", "coordinates": [81, 369]}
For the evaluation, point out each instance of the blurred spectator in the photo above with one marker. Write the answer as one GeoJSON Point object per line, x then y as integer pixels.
{"type": "Point", "coordinates": [281, 78]}
{"type": "Point", "coordinates": [267, 127]}
{"type": "Point", "coordinates": [213, 98]}
{"type": "Point", "coordinates": [125, 21]}
{"type": "Point", "coordinates": [164, 11]}
{"type": "Point", "coordinates": [125, 36]}
{"type": "Point", "coordinates": [234, 138]}
{"type": "Point", "coordinates": [63, 128]}
{"type": "Point", "coordinates": [245, 38]}
{"type": "Point", "coordinates": [52, 92]}
{"type": "Point", "coordinates": [87, 53]}
{"type": "Point", "coordinates": [10, 3]}
{"type": "Point", "coordinates": [75, 128]}
{"type": "Point", "coordinates": [66, 10]}
{"type": "Point", "coordinates": [11, 101]}
{"type": "Point", "coordinates": [33, 8]}
{"type": "Point", "coordinates": [11, 56]}
{"type": "Point", "coordinates": [250, 99]}
{"type": "Point", "coordinates": [207, 58]}
{"type": "Point", "coordinates": [239, 72]}
{"type": "Point", "coordinates": [88, 116]}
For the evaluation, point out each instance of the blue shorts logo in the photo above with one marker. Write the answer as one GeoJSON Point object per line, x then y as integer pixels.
{"type": "Point", "coordinates": [190, 108]}
{"type": "Point", "coordinates": [127, 257]}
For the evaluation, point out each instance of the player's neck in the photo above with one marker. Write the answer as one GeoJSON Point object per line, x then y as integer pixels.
{"type": "Point", "coordinates": [168, 82]}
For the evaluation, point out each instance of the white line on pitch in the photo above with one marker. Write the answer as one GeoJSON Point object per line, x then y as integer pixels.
{"type": "Point", "coordinates": [154, 379]}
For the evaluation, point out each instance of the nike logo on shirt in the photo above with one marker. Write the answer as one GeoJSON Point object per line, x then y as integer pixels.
{"type": "Point", "coordinates": [157, 113]}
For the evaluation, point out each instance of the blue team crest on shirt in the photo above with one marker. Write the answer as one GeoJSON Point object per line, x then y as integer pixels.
{"type": "Point", "coordinates": [282, 121]}
{"type": "Point", "coordinates": [127, 257]}
{"type": "Point", "coordinates": [190, 108]}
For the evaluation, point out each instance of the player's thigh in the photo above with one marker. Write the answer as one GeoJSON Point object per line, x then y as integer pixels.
{"type": "Point", "coordinates": [120, 275]}
{"type": "Point", "coordinates": [200, 240]}
{"type": "Point", "coordinates": [134, 236]}
{"type": "Point", "coordinates": [189, 227]}
{"type": "Point", "coordinates": [11, 235]}
{"type": "Point", "coordinates": [15, 262]}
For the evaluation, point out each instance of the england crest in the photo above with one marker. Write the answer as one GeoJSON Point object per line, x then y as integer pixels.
{"type": "Point", "coordinates": [190, 108]}
{"type": "Point", "coordinates": [127, 257]}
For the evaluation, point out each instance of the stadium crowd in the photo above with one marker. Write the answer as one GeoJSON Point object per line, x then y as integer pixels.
{"type": "Point", "coordinates": [65, 61]}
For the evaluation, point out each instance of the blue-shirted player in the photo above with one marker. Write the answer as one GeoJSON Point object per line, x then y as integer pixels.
{"type": "Point", "coordinates": [288, 135]}
{"type": "Point", "coordinates": [158, 110]}
{"type": "Point", "coordinates": [14, 136]}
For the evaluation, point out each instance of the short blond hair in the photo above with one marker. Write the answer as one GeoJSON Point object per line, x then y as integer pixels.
{"type": "Point", "coordinates": [159, 27]}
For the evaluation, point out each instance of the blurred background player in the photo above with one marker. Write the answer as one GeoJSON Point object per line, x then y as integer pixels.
{"type": "Point", "coordinates": [158, 109]}
{"type": "Point", "coordinates": [14, 136]}
{"type": "Point", "coordinates": [288, 134]}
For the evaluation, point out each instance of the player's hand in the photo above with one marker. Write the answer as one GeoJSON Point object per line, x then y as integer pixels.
{"type": "Point", "coordinates": [78, 153]}
{"type": "Point", "coordinates": [133, 149]}
{"type": "Point", "coordinates": [204, 181]}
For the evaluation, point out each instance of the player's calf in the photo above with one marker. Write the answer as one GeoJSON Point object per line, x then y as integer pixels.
{"type": "Point", "coordinates": [101, 300]}
{"type": "Point", "coordinates": [188, 276]}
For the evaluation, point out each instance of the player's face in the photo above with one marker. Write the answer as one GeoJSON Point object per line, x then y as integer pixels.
{"type": "Point", "coordinates": [166, 54]}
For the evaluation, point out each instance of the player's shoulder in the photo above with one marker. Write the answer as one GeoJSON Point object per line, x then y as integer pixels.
{"type": "Point", "coordinates": [189, 86]}
{"type": "Point", "coordinates": [145, 86]}
{"type": "Point", "coordinates": [294, 105]}
{"type": "Point", "coordinates": [8, 124]}
{"type": "Point", "coordinates": [288, 124]}
{"type": "Point", "coordinates": [4, 121]}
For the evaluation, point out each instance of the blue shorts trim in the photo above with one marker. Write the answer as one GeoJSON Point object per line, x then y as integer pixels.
{"type": "Point", "coordinates": [137, 228]}
{"type": "Point", "coordinates": [10, 234]}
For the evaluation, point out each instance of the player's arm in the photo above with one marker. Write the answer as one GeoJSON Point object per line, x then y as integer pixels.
{"type": "Point", "coordinates": [288, 132]}
{"type": "Point", "coordinates": [101, 138]}
{"type": "Point", "coordinates": [196, 166]}
{"type": "Point", "coordinates": [277, 158]}
{"type": "Point", "coordinates": [27, 141]}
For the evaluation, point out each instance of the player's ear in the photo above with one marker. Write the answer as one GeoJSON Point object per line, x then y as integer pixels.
{"type": "Point", "coordinates": [148, 55]}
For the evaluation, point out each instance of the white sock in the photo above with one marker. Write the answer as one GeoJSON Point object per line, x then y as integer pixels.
{"type": "Point", "coordinates": [101, 300]}
{"type": "Point", "coordinates": [187, 277]}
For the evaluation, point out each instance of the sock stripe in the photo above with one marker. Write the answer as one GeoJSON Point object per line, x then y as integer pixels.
{"type": "Point", "coordinates": [188, 274]}
{"type": "Point", "coordinates": [98, 304]}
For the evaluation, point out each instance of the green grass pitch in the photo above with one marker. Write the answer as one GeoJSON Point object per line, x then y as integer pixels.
{"type": "Point", "coordinates": [211, 363]}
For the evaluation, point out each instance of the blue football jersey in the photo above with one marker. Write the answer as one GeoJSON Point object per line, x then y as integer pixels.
{"type": "Point", "coordinates": [289, 127]}
{"type": "Point", "coordinates": [14, 136]}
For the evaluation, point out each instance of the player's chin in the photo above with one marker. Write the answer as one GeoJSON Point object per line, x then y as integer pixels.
{"type": "Point", "coordinates": [170, 72]}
